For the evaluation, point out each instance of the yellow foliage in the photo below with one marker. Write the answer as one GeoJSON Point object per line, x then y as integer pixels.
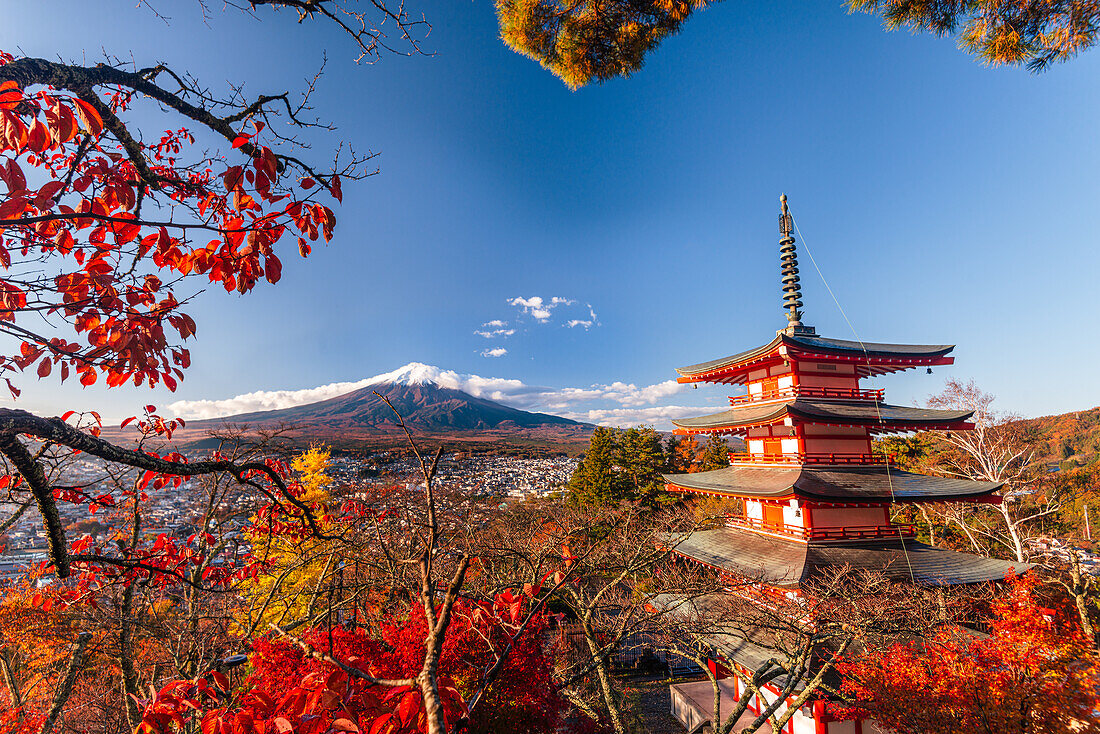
{"type": "Point", "coordinates": [310, 468]}
{"type": "Point", "coordinates": [295, 568]}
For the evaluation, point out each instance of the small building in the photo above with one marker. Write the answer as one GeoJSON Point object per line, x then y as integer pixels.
{"type": "Point", "coordinates": [815, 494]}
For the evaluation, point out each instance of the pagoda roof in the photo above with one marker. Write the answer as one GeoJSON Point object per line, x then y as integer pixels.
{"type": "Point", "coordinates": [872, 357]}
{"type": "Point", "coordinates": [790, 563]}
{"type": "Point", "coordinates": [831, 484]}
{"type": "Point", "coordinates": [748, 646]}
{"type": "Point", "coordinates": [836, 412]}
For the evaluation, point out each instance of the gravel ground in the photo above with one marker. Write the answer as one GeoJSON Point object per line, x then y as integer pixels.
{"type": "Point", "coordinates": [652, 705]}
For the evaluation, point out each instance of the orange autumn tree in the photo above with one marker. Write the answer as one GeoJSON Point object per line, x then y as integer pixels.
{"type": "Point", "coordinates": [596, 40]}
{"type": "Point", "coordinates": [1035, 673]}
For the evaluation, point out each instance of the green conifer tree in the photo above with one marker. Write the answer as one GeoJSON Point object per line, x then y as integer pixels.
{"type": "Point", "coordinates": [598, 480]}
{"type": "Point", "coordinates": [716, 454]}
{"type": "Point", "coordinates": [642, 459]}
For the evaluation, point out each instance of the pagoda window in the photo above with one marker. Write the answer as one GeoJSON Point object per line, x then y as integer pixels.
{"type": "Point", "coordinates": [826, 368]}
{"type": "Point", "coordinates": [756, 446]}
{"type": "Point", "coordinates": [789, 445]}
{"type": "Point", "coordinates": [787, 381]}
{"type": "Point", "coordinates": [774, 446]}
{"type": "Point", "coordinates": [754, 510]}
{"type": "Point", "coordinates": [774, 517]}
{"type": "Point", "coordinates": [755, 388]}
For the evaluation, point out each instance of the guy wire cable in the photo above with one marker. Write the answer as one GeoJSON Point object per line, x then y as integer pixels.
{"type": "Point", "coordinates": [867, 356]}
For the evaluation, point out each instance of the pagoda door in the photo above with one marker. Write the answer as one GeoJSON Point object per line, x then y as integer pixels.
{"type": "Point", "coordinates": [773, 516]}
{"type": "Point", "coordinates": [770, 386]}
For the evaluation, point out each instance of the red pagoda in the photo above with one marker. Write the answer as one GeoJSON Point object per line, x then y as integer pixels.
{"type": "Point", "coordinates": [815, 493]}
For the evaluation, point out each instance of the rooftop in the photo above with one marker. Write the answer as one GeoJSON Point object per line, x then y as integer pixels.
{"type": "Point", "coordinates": [871, 357]}
{"type": "Point", "coordinates": [836, 412]}
{"type": "Point", "coordinates": [837, 484]}
{"type": "Point", "coordinates": [788, 563]}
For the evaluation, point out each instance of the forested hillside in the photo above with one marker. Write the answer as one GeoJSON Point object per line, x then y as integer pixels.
{"type": "Point", "coordinates": [1071, 439]}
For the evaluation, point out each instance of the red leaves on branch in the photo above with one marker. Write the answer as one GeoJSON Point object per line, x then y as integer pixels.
{"type": "Point", "coordinates": [290, 692]}
{"type": "Point", "coordinates": [113, 224]}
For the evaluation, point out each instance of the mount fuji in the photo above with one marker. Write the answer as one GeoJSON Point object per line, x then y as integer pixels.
{"type": "Point", "coordinates": [429, 400]}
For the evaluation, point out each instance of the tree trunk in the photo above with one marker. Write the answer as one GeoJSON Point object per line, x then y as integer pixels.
{"type": "Point", "coordinates": [76, 662]}
{"type": "Point", "coordinates": [970, 536]}
{"type": "Point", "coordinates": [1080, 598]}
{"type": "Point", "coordinates": [931, 527]}
{"type": "Point", "coordinates": [126, 657]}
{"type": "Point", "coordinates": [1013, 532]}
{"type": "Point", "coordinates": [10, 681]}
{"type": "Point", "coordinates": [603, 678]}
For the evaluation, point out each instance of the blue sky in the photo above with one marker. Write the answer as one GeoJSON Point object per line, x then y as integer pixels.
{"type": "Point", "coordinates": [943, 200]}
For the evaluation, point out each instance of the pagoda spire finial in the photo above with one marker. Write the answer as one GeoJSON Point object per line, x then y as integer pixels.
{"type": "Point", "coordinates": [792, 291]}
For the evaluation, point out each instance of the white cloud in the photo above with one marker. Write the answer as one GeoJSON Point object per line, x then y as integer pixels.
{"type": "Point", "coordinates": [494, 352]}
{"type": "Point", "coordinates": [496, 333]}
{"type": "Point", "coordinates": [539, 308]}
{"type": "Point", "coordinates": [578, 322]}
{"type": "Point", "coordinates": [617, 403]}
{"type": "Point", "coordinates": [660, 417]}
{"type": "Point", "coordinates": [261, 400]}
{"type": "Point", "coordinates": [495, 323]}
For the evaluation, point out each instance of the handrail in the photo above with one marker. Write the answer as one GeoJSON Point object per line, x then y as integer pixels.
{"type": "Point", "coordinates": [815, 458]}
{"type": "Point", "coordinates": [850, 532]}
{"type": "Point", "coordinates": [805, 391]}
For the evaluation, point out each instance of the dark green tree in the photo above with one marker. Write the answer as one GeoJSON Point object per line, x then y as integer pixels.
{"type": "Point", "coordinates": [672, 444]}
{"type": "Point", "coordinates": [598, 480]}
{"type": "Point", "coordinates": [716, 453]}
{"type": "Point", "coordinates": [642, 460]}
{"type": "Point", "coordinates": [618, 466]}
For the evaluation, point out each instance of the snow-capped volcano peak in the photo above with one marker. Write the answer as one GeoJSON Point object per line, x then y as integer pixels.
{"type": "Point", "coordinates": [414, 373]}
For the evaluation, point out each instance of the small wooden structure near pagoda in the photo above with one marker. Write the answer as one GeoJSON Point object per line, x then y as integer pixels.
{"type": "Point", "coordinates": [815, 493]}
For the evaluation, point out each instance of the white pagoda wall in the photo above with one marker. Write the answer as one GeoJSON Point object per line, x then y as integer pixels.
{"type": "Point", "coordinates": [794, 516]}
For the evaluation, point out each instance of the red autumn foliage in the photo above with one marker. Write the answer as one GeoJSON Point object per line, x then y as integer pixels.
{"type": "Point", "coordinates": [290, 691]}
{"type": "Point", "coordinates": [1036, 673]}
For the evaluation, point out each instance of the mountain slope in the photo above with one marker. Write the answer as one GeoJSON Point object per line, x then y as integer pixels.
{"type": "Point", "coordinates": [361, 418]}
{"type": "Point", "coordinates": [425, 406]}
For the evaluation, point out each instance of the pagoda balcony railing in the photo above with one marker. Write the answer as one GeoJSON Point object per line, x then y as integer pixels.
{"type": "Point", "coordinates": [802, 391]}
{"type": "Point", "coordinates": [850, 532]}
{"type": "Point", "coordinates": [799, 459]}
